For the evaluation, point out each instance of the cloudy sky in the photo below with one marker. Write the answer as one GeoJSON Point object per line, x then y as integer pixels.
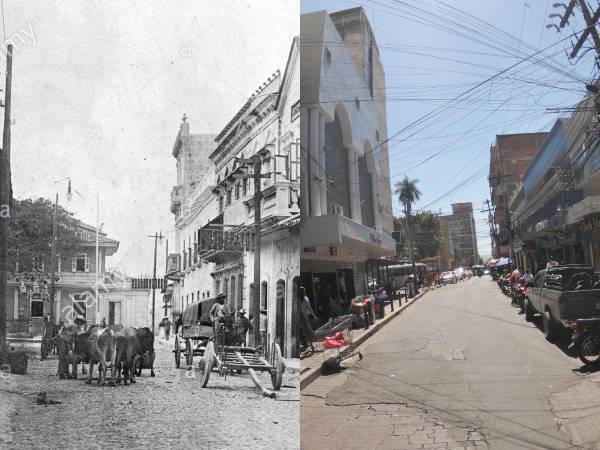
{"type": "Point", "coordinates": [99, 89]}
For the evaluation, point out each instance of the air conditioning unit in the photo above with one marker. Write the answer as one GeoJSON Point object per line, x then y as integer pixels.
{"type": "Point", "coordinates": [334, 208]}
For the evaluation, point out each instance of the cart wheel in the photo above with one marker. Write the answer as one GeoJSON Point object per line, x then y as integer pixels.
{"type": "Point", "coordinates": [177, 352]}
{"type": "Point", "coordinates": [189, 353]}
{"type": "Point", "coordinates": [208, 362]}
{"type": "Point", "coordinates": [277, 377]}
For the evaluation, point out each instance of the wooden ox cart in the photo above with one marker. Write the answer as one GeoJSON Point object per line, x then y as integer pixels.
{"type": "Point", "coordinates": [229, 358]}
{"type": "Point", "coordinates": [194, 334]}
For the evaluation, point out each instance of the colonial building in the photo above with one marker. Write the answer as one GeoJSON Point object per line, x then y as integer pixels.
{"type": "Point", "coordinates": [119, 301]}
{"type": "Point", "coordinates": [459, 238]}
{"type": "Point", "coordinates": [215, 219]}
{"type": "Point", "coordinates": [509, 158]}
{"type": "Point", "coordinates": [346, 195]}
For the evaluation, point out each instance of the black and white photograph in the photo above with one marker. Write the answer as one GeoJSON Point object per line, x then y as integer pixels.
{"type": "Point", "coordinates": [149, 241]}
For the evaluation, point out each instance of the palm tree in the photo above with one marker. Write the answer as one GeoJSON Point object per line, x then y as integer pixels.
{"type": "Point", "coordinates": [408, 193]}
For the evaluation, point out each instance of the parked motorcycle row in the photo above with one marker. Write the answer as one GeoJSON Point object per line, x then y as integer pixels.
{"type": "Point", "coordinates": [568, 299]}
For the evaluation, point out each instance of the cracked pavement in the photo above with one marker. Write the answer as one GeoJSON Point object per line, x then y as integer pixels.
{"type": "Point", "coordinates": [459, 369]}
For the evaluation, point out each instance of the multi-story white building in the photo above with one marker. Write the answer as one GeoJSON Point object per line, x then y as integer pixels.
{"type": "Point", "coordinates": [214, 211]}
{"type": "Point", "coordinates": [346, 207]}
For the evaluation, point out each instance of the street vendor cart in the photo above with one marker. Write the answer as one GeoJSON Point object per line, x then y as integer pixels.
{"type": "Point", "coordinates": [194, 334]}
{"type": "Point", "coordinates": [226, 358]}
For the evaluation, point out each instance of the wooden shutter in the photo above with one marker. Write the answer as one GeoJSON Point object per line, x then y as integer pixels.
{"type": "Point", "coordinates": [74, 264]}
{"type": "Point", "coordinates": [87, 263]}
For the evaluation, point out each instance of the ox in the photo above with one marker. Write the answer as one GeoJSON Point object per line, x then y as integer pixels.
{"type": "Point", "coordinates": [64, 343]}
{"type": "Point", "coordinates": [146, 339]}
{"type": "Point", "coordinates": [100, 345]}
{"type": "Point", "coordinates": [128, 348]}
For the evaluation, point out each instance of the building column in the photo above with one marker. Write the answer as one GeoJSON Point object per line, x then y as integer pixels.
{"type": "Point", "coordinates": [355, 213]}
{"type": "Point", "coordinates": [323, 166]}
{"type": "Point", "coordinates": [314, 161]}
{"type": "Point", "coordinates": [375, 195]}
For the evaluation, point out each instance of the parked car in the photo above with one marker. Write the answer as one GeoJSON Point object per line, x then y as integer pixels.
{"type": "Point", "coordinates": [449, 278]}
{"type": "Point", "coordinates": [562, 294]}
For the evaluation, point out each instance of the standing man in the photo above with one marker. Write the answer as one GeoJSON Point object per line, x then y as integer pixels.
{"type": "Point", "coordinates": [167, 325]}
{"type": "Point", "coordinates": [263, 328]}
{"type": "Point", "coordinates": [242, 326]}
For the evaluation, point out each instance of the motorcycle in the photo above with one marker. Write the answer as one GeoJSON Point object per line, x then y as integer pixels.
{"type": "Point", "coordinates": [586, 339]}
{"type": "Point", "coordinates": [519, 295]}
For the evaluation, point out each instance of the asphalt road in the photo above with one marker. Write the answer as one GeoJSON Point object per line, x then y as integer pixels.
{"type": "Point", "coordinates": [459, 369]}
{"type": "Point", "coordinates": [170, 410]}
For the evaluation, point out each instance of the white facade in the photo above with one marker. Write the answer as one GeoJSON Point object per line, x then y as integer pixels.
{"type": "Point", "coordinates": [268, 124]}
{"type": "Point", "coordinates": [347, 213]}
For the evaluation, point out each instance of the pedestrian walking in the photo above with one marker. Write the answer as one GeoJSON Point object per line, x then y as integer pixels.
{"type": "Point", "coordinates": [167, 326]}
{"type": "Point", "coordinates": [306, 312]}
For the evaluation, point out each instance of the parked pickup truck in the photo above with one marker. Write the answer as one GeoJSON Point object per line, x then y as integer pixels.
{"type": "Point", "coordinates": [563, 294]}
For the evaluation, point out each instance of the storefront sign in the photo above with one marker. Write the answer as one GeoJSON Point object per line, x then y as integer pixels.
{"type": "Point", "coordinates": [173, 266]}
{"type": "Point", "coordinates": [233, 241]}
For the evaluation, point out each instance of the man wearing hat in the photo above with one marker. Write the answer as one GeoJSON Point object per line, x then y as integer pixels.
{"type": "Point", "coordinates": [242, 326]}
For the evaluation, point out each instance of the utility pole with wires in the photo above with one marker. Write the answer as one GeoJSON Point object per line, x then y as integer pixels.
{"type": "Point", "coordinates": [490, 219]}
{"type": "Point", "coordinates": [156, 237]}
{"type": "Point", "coordinates": [256, 163]}
{"type": "Point", "coordinates": [590, 21]}
{"type": "Point", "coordinates": [5, 203]}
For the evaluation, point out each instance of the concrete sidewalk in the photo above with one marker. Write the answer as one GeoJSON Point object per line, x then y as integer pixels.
{"type": "Point", "coordinates": [311, 367]}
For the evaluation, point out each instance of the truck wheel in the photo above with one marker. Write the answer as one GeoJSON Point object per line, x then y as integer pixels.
{"type": "Point", "coordinates": [528, 310]}
{"type": "Point", "coordinates": [549, 326]}
{"type": "Point", "coordinates": [589, 350]}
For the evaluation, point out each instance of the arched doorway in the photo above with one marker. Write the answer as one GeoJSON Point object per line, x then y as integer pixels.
{"type": "Point", "coordinates": [280, 315]}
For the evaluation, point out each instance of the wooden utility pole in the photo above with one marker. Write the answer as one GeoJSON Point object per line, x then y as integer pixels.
{"type": "Point", "coordinates": [590, 21]}
{"type": "Point", "coordinates": [156, 237]}
{"type": "Point", "coordinates": [256, 175]}
{"type": "Point", "coordinates": [165, 279]}
{"type": "Point", "coordinates": [53, 263]}
{"type": "Point", "coordinates": [5, 203]}
{"type": "Point", "coordinates": [257, 167]}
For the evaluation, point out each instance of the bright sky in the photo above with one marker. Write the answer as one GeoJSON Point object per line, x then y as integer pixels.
{"type": "Point", "coordinates": [427, 63]}
{"type": "Point", "coordinates": [99, 89]}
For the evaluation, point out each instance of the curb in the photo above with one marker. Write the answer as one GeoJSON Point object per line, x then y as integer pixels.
{"type": "Point", "coordinates": [310, 375]}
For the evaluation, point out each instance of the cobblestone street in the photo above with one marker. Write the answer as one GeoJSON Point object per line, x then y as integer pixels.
{"type": "Point", "coordinates": [170, 410]}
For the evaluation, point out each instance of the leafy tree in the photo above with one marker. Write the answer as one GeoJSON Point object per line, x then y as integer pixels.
{"type": "Point", "coordinates": [30, 234]}
{"type": "Point", "coordinates": [427, 238]}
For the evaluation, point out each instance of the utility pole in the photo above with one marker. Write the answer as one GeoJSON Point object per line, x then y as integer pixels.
{"type": "Point", "coordinates": [489, 210]}
{"type": "Point", "coordinates": [156, 238]}
{"type": "Point", "coordinates": [5, 203]}
{"type": "Point", "coordinates": [256, 175]}
{"type": "Point", "coordinates": [410, 251]}
{"type": "Point", "coordinates": [166, 267]}
{"type": "Point", "coordinates": [590, 21]}
{"type": "Point", "coordinates": [53, 263]}
{"type": "Point", "coordinates": [257, 241]}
